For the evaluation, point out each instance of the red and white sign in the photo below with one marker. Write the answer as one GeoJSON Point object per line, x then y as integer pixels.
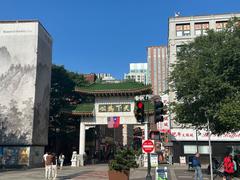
{"type": "Point", "coordinates": [165, 125]}
{"type": "Point", "coordinates": [148, 146]}
{"type": "Point", "coordinates": [190, 135]}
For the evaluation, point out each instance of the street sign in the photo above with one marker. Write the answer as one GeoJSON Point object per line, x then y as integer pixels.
{"type": "Point", "coordinates": [148, 146]}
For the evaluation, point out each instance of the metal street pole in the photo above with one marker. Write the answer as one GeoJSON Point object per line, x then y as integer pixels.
{"type": "Point", "coordinates": [197, 140]}
{"type": "Point", "coordinates": [114, 144]}
{"type": "Point", "coordinates": [210, 147]}
{"type": "Point", "coordinates": [148, 177]}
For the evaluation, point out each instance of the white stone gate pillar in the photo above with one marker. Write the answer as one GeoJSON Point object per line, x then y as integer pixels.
{"type": "Point", "coordinates": [125, 134]}
{"type": "Point", "coordinates": [82, 143]}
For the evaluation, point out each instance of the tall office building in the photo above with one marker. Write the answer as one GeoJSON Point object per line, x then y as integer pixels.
{"type": "Point", "coordinates": [157, 68]}
{"type": "Point", "coordinates": [138, 72]}
{"type": "Point", "coordinates": [183, 30]}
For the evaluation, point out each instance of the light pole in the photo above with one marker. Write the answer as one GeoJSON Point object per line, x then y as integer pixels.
{"type": "Point", "coordinates": [197, 139]}
{"type": "Point", "coordinates": [209, 146]}
{"type": "Point", "coordinates": [148, 177]}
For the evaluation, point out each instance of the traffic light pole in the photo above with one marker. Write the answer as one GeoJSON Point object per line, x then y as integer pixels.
{"type": "Point", "coordinates": [147, 122]}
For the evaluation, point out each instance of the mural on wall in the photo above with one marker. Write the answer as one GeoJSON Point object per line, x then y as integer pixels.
{"type": "Point", "coordinates": [14, 156]}
{"type": "Point", "coordinates": [42, 95]}
{"type": "Point", "coordinates": [15, 112]}
{"type": "Point", "coordinates": [25, 69]}
{"type": "Point", "coordinates": [10, 155]}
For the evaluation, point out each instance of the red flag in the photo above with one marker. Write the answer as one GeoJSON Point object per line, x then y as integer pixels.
{"type": "Point", "coordinates": [113, 122]}
{"type": "Point", "coordinates": [116, 120]}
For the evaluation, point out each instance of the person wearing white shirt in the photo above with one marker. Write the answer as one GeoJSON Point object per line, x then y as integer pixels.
{"type": "Point", "coordinates": [45, 159]}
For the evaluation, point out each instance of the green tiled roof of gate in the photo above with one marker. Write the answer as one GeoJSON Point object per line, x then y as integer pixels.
{"type": "Point", "coordinates": [114, 87]}
{"type": "Point", "coordinates": [79, 108]}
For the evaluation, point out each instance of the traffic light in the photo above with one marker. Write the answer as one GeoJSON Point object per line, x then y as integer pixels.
{"type": "Point", "coordinates": [158, 111]}
{"type": "Point", "coordinates": [139, 114]}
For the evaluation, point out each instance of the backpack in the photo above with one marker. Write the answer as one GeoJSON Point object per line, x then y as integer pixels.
{"type": "Point", "coordinates": [228, 165]}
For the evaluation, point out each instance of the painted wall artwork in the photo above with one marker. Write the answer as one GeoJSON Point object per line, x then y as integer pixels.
{"type": "Point", "coordinates": [19, 67]}
{"type": "Point", "coordinates": [14, 156]}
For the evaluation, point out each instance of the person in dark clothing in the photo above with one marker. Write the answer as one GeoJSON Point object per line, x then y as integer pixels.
{"type": "Point", "coordinates": [197, 167]}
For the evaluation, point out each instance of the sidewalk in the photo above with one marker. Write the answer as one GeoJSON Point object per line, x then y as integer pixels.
{"type": "Point", "coordinates": [91, 172]}
{"type": "Point", "coordinates": [95, 172]}
{"type": "Point", "coordinates": [185, 167]}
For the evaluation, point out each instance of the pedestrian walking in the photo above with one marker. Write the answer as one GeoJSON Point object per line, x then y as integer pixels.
{"type": "Point", "coordinates": [197, 167]}
{"type": "Point", "coordinates": [61, 160]}
{"type": "Point", "coordinates": [228, 167]}
{"type": "Point", "coordinates": [49, 161]}
{"type": "Point", "coordinates": [54, 166]}
{"type": "Point", "coordinates": [44, 160]}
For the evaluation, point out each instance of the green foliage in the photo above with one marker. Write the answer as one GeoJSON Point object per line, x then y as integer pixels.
{"type": "Point", "coordinates": [84, 107]}
{"type": "Point", "coordinates": [206, 79]}
{"type": "Point", "coordinates": [62, 95]}
{"type": "Point", "coordinates": [63, 83]}
{"type": "Point", "coordinates": [78, 79]}
{"type": "Point", "coordinates": [124, 160]}
{"type": "Point", "coordinates": [62, 86]}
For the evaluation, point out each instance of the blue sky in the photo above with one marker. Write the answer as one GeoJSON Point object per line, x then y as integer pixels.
{"type": "Point", "coordinates": [106, 35]}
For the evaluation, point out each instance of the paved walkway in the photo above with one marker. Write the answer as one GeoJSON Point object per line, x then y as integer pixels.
{"type": "Point", "coordinates": [91, 172]}
{"type": "Point", "coordinates": [96, 172]}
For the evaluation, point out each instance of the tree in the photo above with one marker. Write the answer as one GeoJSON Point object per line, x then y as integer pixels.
{"type": "Point", "coordinates": [206, 79]}
{"type": "Point", "coordinates": [62, 86]}
{"type": "Point", "coordinates": [62, 94]}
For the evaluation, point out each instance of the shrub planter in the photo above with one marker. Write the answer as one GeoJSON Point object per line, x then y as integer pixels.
{"type": "Point", "coordinates": [117, 175]}
{"type": "Point", "coordinates": [119, 167]}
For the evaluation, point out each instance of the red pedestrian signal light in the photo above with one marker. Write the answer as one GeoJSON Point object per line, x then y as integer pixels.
{"type": "Point", "coordinates": [139, 113]}
{"type": "Point", "coordinates": [140, 105]}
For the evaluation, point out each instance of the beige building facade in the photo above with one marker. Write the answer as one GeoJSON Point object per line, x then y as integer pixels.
{"type": "Point", "coordinates": [157, 59]}
{"type": "Point", "coordinates": [186, 140]}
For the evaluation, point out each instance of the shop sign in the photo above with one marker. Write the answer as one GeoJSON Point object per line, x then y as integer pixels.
{"type": "Point", "coordinates": [202, 135]}
{"type": "Point", "coordinates": [154, 160]}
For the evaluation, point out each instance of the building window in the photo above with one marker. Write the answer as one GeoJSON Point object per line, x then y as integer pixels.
{"type": "Point", "coordinates": [201, 28]}
{"type": "Point", "coordinates": [220, 25]}
{"type": "Point", "coordinates": [182, 30]}
{"type": "Point", "coordinates": [192, 149]}
{"type": "Point", "coordinates": [178, 48]}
